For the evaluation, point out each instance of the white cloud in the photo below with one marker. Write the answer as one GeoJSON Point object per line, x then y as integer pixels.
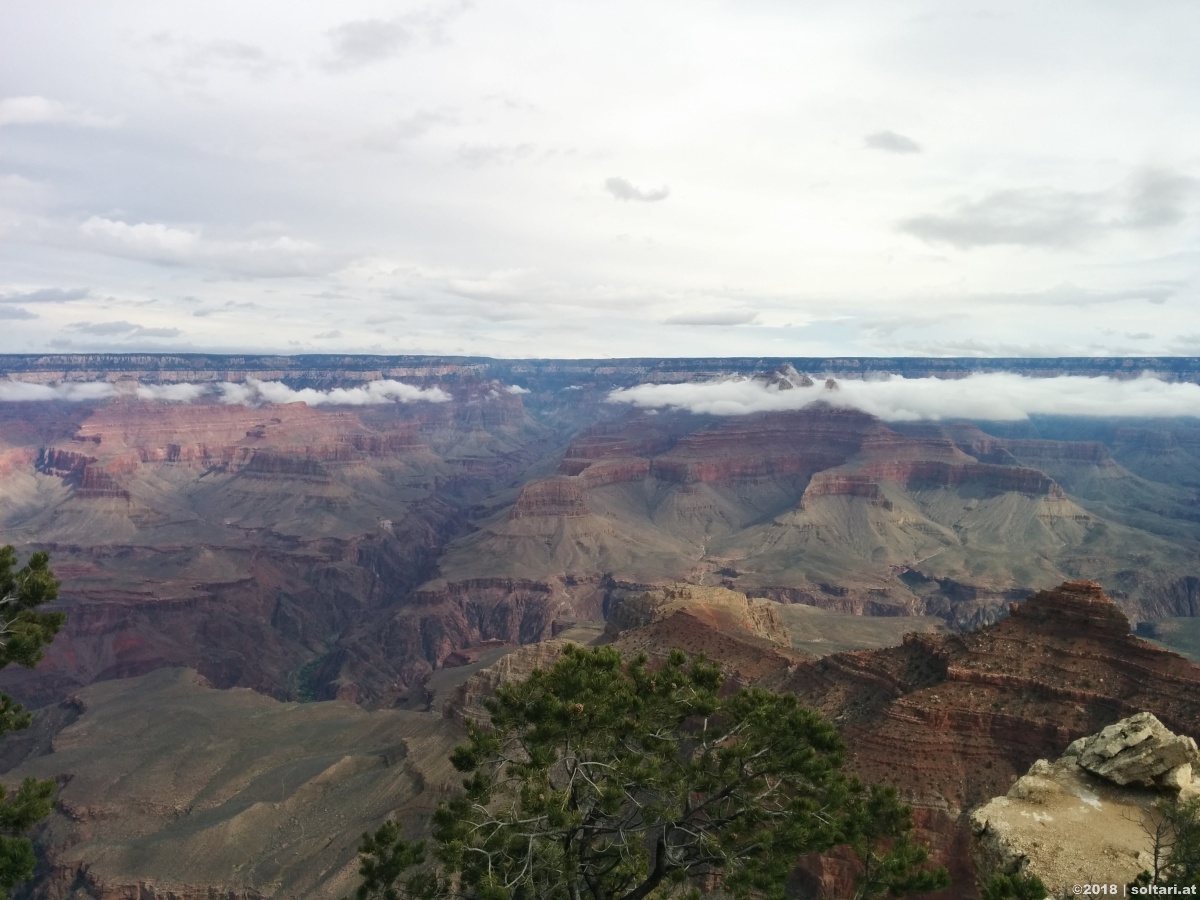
{"type": "Point", "coordinates": [37, 110]}
{"type": "Point", "coordinates": [254, 393]}
{"type": "Point", "coordinates": [74, 391]}
{"type": "Point", "coordinates": [250, 393]}
{"type": "Point", "coordinates": [160, 243]}
{"type": "Point", "coordinates": [172, 393]}
{"type": "Point", "coordinates": [282, 141]}
{"type": "Point", "coordinates": [990, 396]}
{"type": "Point", "coordinates": [516, 389]}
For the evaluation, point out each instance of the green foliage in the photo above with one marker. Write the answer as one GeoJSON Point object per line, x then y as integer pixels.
{"type": "Point", "coordinates": [1175, 833]}
{"type": "Point", "coordinates": [879, 820]}
{"type": "Point", "coordinates": [1014, 887]}
{"type": "Point", "coordinates": [603, 780]}
{"type": "Point", "coordinates": [24, 631]}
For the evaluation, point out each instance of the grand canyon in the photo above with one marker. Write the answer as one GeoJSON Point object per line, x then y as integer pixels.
{"type": "Point", "coordinates": [289, 581]}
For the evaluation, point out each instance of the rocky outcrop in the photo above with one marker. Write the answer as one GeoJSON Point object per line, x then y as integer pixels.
{"type": "Point", "coordinates": [1138, 751]}
{"type": "Point", "coordinates": [748, 639]}
{"type": "Point", "coordinates": [550, 497]}
{"type": "Point", "coordinates": [619, 441]}
{"type": "Point", "coordinates": [839, 484]}
{"type": "Point", "coordinates": [90, 479]}
{"type": "Point", "coordinates": [641, 610]}
{"type": "Point", "coordinates": [379, 660]}
{"type": "Point", "coordinates": [785, 444]}
{"type": "Point", "coordinates": [923, 474]}
{"type": "Point", "coordinates": [612, 471]}
{"type": "Point", "coordinates": [63, 463]}
{"type": "Point", "coordinates": [952, 720]}
{"type": "Point", "coordinates": [1087, 818]}
{"type": "Point", "coordinates": [264, 464]}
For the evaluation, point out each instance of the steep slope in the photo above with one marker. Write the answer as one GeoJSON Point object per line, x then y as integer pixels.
{"type": "Point", "coordinates": [953, 720]}
{"type": "Point", "coordinates": [244, 541]}
{"type": "Point", "coordinates": [830, 507]}
{"type": "Point", "coordinates": [348, 551]}
{"type": "Point", "coordinates": [170, 790]}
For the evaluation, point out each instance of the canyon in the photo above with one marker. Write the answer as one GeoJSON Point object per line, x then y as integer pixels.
{"type": "Point", "coordinates": [350, 560]}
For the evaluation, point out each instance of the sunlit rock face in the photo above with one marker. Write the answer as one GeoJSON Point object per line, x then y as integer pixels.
{"type": "Point", "coordinates": [1088, 817]}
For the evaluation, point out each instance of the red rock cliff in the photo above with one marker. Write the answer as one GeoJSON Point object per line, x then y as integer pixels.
{"type": "Point", "coordinates": [952, 720]}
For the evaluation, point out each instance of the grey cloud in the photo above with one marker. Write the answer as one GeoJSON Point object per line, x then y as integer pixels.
{"type": "Point", "coordinates": [1138, 335]}
{"type": "Point", "coordinates": [16, 312]}
{"type": "Point", "coordinates": [47, 295]}
{"type": "Point", "coordinates": [365, 41]}
{"type": "Point", "coordinates": [891, 142]}
{"type": "Point", "coordinates": [122, 328]}
{"type": "Point", "coordinates": [726, 317]}
{"type": "Point", "coordinates": [1158, 198]}
{"type": "Point", "coordinates": [623, 189]}
{"type": "Point", "coordinates": [193, 59]}
{"type": "Point", "coordinates": [1046, 217]}
{"type": "Point", "coordinates": [1034, 217]}
{"type": "Point", "coordinates": [356, 44]}
{"type": "Point", "coordinates": [327, 335]}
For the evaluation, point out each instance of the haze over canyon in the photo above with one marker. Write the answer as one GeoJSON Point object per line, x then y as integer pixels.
{"type": "Point", "coordinates": [378, 530]}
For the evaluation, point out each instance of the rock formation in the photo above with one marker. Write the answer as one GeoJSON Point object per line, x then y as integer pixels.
{"type": "Point", "coordinates": [1137, 751]}
{"type": "Point", "coordinates": [1087, 818]}
{"type": "Point", "coordinates": [747, 637]}
{"type": "Point", "coordinates": [953, 720]}
{"type": "Point", "coordinates": [348, 551]}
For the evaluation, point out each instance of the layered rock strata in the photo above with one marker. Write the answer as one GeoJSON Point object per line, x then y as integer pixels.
{"type": "Point", "coordinates": [953, 720]}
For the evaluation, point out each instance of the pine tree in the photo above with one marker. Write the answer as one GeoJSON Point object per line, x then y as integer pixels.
{"type": "Point", "coordinates": [24, 631]}
{"type": "Point", "coordinates": [603, 780]}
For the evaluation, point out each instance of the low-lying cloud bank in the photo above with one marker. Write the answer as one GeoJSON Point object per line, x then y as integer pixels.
{"type": "Point", "coordinates": [250, 393]}
{"type": "Point", "coordinates": [991, 396]}
{"type": "Point", "coordinates": [254, 393]}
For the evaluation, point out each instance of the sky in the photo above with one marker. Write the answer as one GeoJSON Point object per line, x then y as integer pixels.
{"type": "Point", "coordinates": [520, 179]}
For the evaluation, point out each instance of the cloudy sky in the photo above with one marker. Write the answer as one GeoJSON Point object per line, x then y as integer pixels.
{"type": "Point", "coordinates": [511, 178]}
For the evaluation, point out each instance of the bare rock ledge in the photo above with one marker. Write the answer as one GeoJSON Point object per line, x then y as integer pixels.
{"type": "Point", "coordinates": [1087, 818]}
